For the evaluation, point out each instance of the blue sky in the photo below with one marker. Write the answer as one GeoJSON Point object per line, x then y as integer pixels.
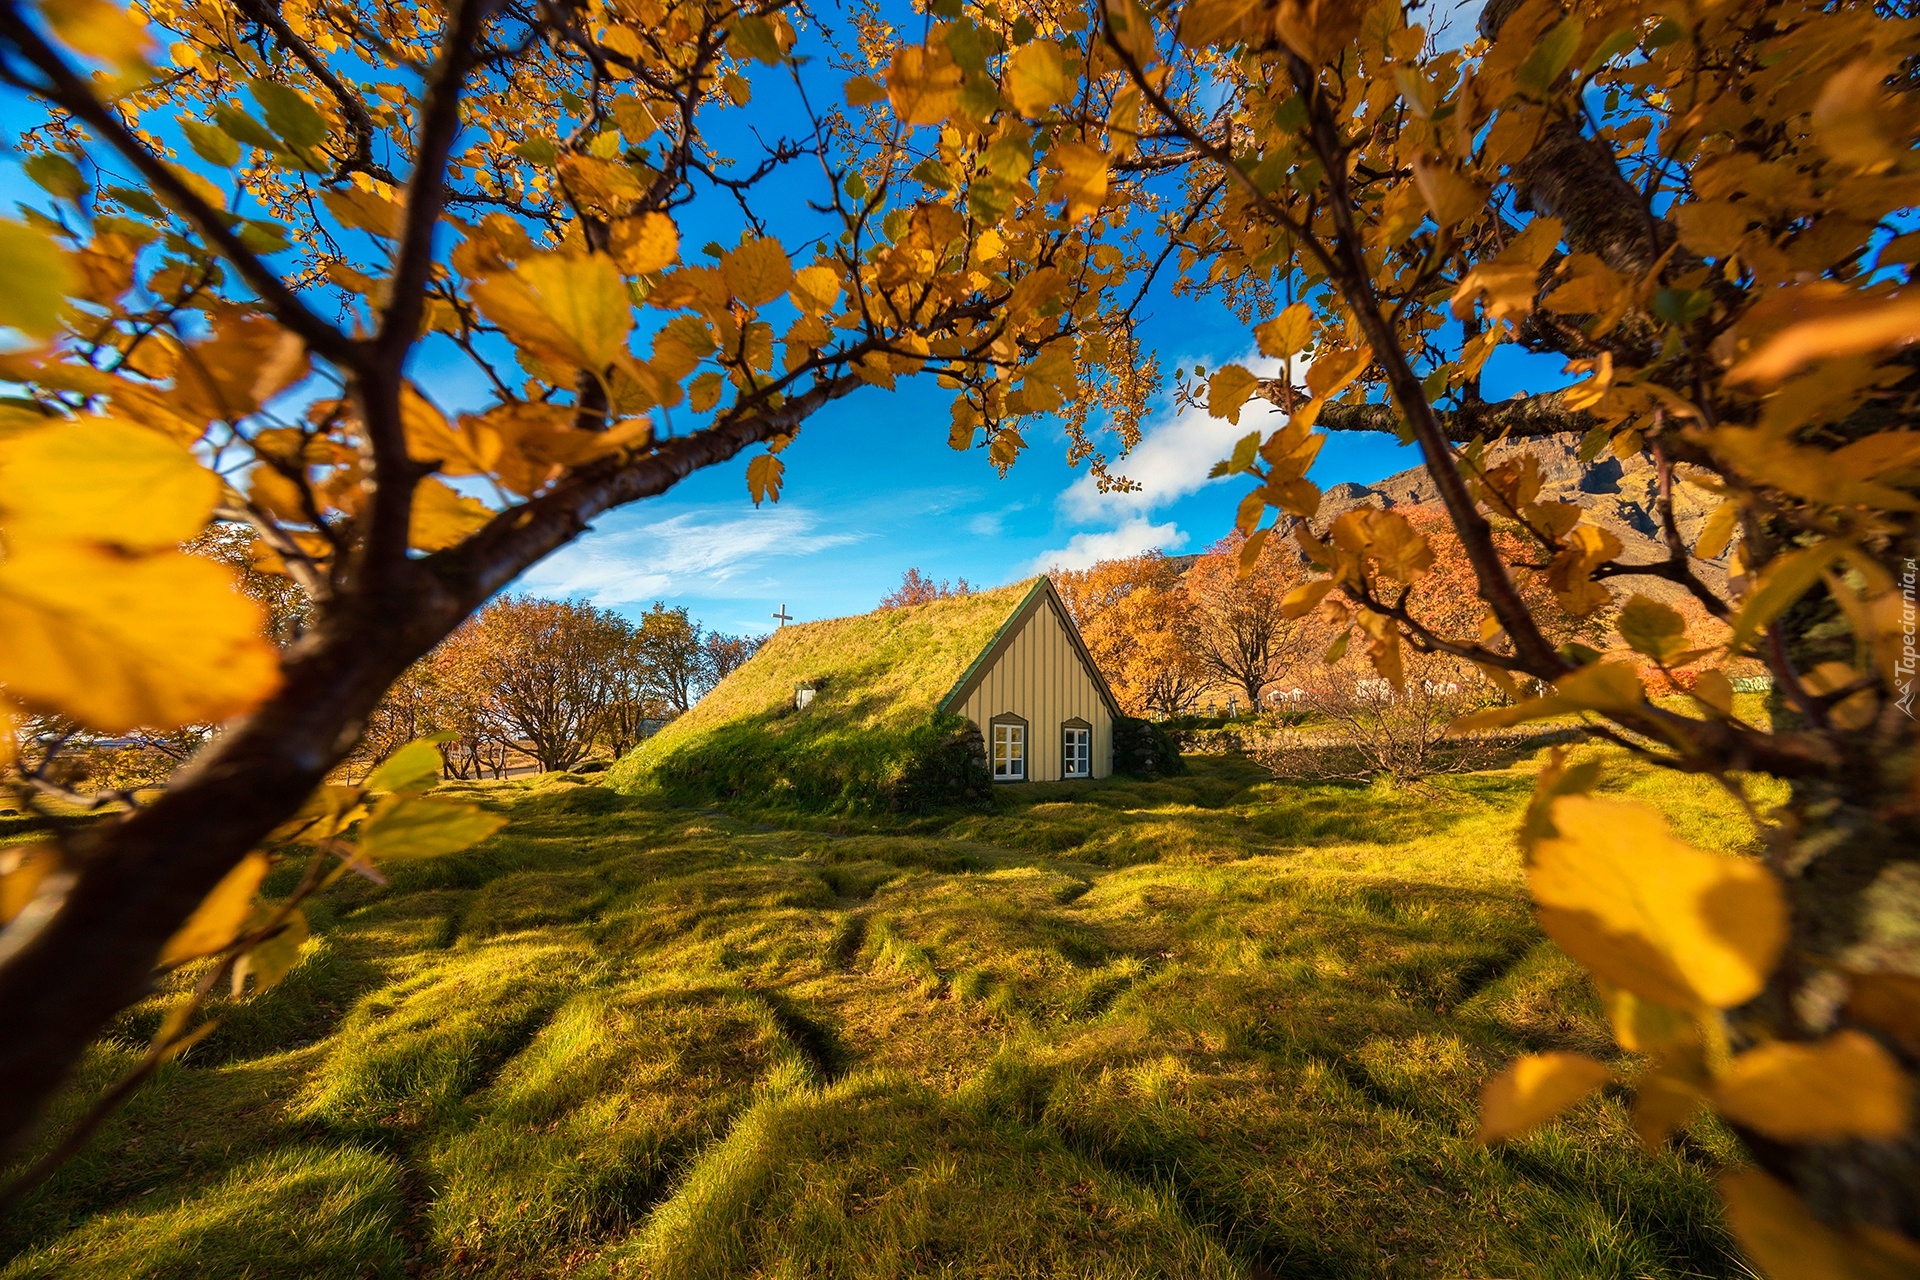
{"type": "Point", "coordinates": [872, 487]}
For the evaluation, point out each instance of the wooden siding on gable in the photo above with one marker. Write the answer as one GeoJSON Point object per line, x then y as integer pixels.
{"type": "Point", "coordinates": [1041, 675]}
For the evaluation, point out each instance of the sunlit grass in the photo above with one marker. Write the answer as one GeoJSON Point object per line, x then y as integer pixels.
{"type": "Point", "coordinates": [1203, 1026]}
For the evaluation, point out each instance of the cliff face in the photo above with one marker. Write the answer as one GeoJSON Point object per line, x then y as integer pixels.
{"type": "Point", "coordinates": [1620, 497]}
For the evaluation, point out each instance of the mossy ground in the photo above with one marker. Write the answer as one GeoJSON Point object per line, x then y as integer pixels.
{"type": "Point", "coordinates": [1203, 1027]}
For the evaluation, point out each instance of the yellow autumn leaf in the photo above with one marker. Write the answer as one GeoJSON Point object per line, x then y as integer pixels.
{"type": "Point", "coordinates": [1651, 914]}
{"type": "Point", "coordinates": [1570, 573]}
{"type": "Point", "coordinates": [1535, 1089]}
{"type": "Point", "coordinates": [757, 272]}
{"type": "Point", "coordinates": [1663, 1104]}
{"type": "Point", "coordinates": [220, 917]}
{"type": "Point", "coordinates": [119, 643]}
{"type": "Point", "coordinates": [1644, 1026]}
{"type": "Point", "coordinates": [245, 362]}
{"type": "Point", "coordinates": [1451, 196]}
{"type": "Point", "coordinates": [1305, 598]}
{"type": "Point", "coordinates": [1286, 334]}
{"type": "Point", "coordinates": [1228, 390]}
{"type": "Point", "coordinates": [636, 121]}
{"type": "Point", "coordinates": [1598, 686]}
{"type": "Point", "coordinates": [1036, 78]}
{"type": "Point", "coordinates": [1652, 628]}
{"type": "Point", "coordinates": [815, 289]}
{"type": "Point", "coordinates": [863, 91]}
{"type": "Point", "coordinates": [1510, 279]}
{"type": "Point", "coordinates": [1717, 532]}
{"type": "Point", "coordinates": [1590, 393]}
{"type": "Point", "coordinates": [1851, 119]}
{"type": "Point", "coordinates": [272, 959]}
{"type": "Point", "coordinates": [1777, 1232]}
{"type": "Point", "coordinates": [570, 308]}
{"type": "Point", "coordinates": [368, 211]}
{"type": "Point", "coordinates": [404, 826]}
{"type": "Point", "coordinates": [1386, 537]}
{"type": "Point", "coordinates": [103, 480]}
{"type": "Point", "coordinates": [443, 517]}
{"type": "Point", "coordinates": [1207, 22]}
{"type": "Point", "coordinates": [1887, 1001]}
{"type": "Point", "coordinates": [1855, 711]}
{"type": "Point", "coordinates": [765, 475]}
{"type": "Point", "coordinates": [923, 83]}
{"type": "Point", "coordinates": [1712, 228]}
{"type": "Point", "coordinates": [1332, 371]}
{"type": "Point", "coordinates": [1845, 1086]}
{"type": "Point", "coordinates": [36, 276]}
{"type": "Point", "coordinates": [1384, 650]}
{"type": "Point", "coordinates": [1866, 326]}
{"type": "Point", "coordinates": [471, 449]}
{"type": "Point", "coordinates": [100, 30]}
{"type": "Point", "coordinates": [414, 767]}
{"type": "Point", "coordinates": [645, 243]}
{"type": "Point", "coordinates": [1083, 178]}
{"type": "Point", "coordinates": [1715, 689]}
{"type": "Point", "coordinates": [22, 869]}
{"type": "Point", "coordinates": [1588, 286]}
{"type": "Point", "coordinates": [1782, 580]}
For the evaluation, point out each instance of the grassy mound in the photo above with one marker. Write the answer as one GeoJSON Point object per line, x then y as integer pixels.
{"type": "Point", "coordinates": [873, 736]}
{"type": "Point", "coordinates": [1202, 1026]}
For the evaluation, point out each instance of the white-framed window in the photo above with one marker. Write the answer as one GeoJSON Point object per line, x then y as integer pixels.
{"type": "Point", "coordinates": [1009, 751]}
{"type": "Point", "coordinates": [1076, 751]}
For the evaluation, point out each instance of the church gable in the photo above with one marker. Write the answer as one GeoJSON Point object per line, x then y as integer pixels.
{"type": "Point", "coordinates": [1041, 703]}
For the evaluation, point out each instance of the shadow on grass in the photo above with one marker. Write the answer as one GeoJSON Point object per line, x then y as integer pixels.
{"type": "Point", "coordinates": [1207, 1026]}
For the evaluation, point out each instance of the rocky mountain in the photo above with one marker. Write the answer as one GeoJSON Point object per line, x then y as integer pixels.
{"type": "Point", "coordinates": [1621, 497]}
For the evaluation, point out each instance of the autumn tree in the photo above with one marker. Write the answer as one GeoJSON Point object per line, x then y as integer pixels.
{"type": "Point", "coordinates": [415, 706]}
{"type": "Point", "coordinates": [1702, 209]}
{"type": "Point", "coordinates": [551, 666]}
{"type": "Point", "coordinates": [632, 699]}
{"type": "Point", "coordinates": [287, 607]}
{"type": "Point", "coordinates": [259, 217]}
{"type": "Point", "coordinates": [673, 653]}
{"type": "Point", "coordinates": [721, 654]}
{"type": "Point", "coordinates": [1234, 624]}
{"type": "Point", "coordinates": [917, 588]}
{"type": "Point", "coordinates": [1134, 614]}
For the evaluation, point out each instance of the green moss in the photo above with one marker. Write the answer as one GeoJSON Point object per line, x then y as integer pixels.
{"type": "Point", "coordinates": [1205, 1025]}
{"type": "Point", "coordinates": [319, 1212]}
{"type": "Point", "coordinates": [881, 1177]}
{"type": "Point", "coordinates": [584, 1130]}
{"type": "Point", "coordinates": [411, 1052]}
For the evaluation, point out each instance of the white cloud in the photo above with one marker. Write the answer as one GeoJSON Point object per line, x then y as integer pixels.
{"type": "Point", "coordinates": [700, 552]}
{"type": "Point", "coordinates": [1131, 538]}
{"type": "Point", "coordinates": [1175, 452]}
{"type": "Point", "coordinates": [987, 524]}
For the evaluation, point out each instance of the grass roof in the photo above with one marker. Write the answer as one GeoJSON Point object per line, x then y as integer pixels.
{"type": "Point", "coordinates": [878, 681]}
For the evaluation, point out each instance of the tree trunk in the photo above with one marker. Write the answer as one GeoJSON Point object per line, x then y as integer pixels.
{"type": "Point", "coordinates": [90, 953]}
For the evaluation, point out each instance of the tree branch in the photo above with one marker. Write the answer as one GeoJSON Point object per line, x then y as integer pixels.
{"type": "Point", "coordinates": [427, 187]}
{"type": "Point", "coordinates": [68, 965]}
{"type": "Point", "coordinates": [1522, 418]}
{"type": "Point", "coordinates": [1355, 281]}
{"type": "Point", "coordinates": [71, 92]}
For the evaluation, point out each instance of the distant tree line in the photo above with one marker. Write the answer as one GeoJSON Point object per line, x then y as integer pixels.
{"type": "Point", "coordinates": [554, 680]}
{"type": "Point", "coordinates": [551, 681]}
{"type": "Point", "coordinates": [1168, 634]}
{"type": "Point", "coordinates": [917, 588]}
